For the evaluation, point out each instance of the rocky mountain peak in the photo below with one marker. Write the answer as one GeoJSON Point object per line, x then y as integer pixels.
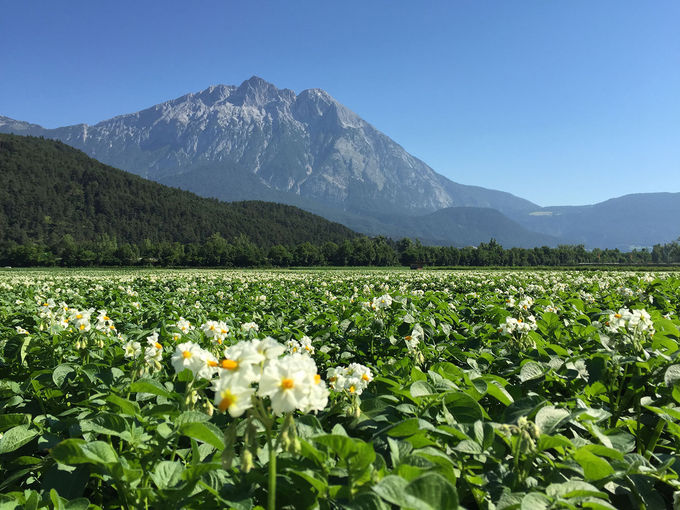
{"type": "Point", "coordinates": [258, 92]}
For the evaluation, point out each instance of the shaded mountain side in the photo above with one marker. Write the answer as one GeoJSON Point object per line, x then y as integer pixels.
{"type": "Point", "coordinates": [627, 222]}
{"type": "Point", "coordinates": [458, 226]}
{"type": "Point", "coordinates": [49, 189]}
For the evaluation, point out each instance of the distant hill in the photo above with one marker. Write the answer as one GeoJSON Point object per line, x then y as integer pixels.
{"type": "Point", "coordinates": [49, 189]}
{"type": "Point", "coordinates": [627, 222]}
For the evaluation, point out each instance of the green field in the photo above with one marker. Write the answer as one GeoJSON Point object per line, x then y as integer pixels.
{"type": "Point", "coordinates": [339, 389]}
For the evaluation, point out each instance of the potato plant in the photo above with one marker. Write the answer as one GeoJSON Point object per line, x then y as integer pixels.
{"type": "Point", "coordinates": [339, 389]}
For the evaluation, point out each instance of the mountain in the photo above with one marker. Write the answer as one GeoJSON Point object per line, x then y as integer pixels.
{"type": "Point", "coordinates": [49, 189]}
{"type": "Point", "coordinates": [256, 141]}
{"type": "Point", "coordinates": [627, 222]}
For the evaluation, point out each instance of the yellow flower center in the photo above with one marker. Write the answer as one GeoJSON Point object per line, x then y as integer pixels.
{"type": "Point", "coordinates": [229, 364]}
{"type": "Point", "coordinates": [157, 345]}
{"type": "Point", "coordinates": [79, 316]}
{"type": "Point", "coordinates": [617, 315]}
{"type": "Point", "coordinates": [82, 327]}
{"type": "Point", "coordinates": [317, 379]}
{"type": "Point", "coordinates": [407, 337]}
{"type": "Point", "coordinates": [228, 399]}
{"type": "Point", "coordinates": [287, 384]}
{"type": "Point", "coordinates": [186, 354]}
{"type": "Point", "coordinates": [212, 363]}
{"type": "Point", "coordinates": [519, 320]}
{"type": "Point", "coordinates": [364, 377]}
{"type": "Point", "coordinates": [352, 389]}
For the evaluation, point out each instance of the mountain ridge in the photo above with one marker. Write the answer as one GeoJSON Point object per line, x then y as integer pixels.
{"type": "Point", "coordinates": [255, 140]}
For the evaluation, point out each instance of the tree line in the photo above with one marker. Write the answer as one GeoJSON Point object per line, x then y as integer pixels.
{"type": "Point", "coordinates": [240, 251]}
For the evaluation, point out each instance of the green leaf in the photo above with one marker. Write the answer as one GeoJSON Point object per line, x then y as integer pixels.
{"type": "Point", "coordinates": [530, 370]}
{"type": "Point", "coordinates": [150, 386]}
{"type": "Point", "coordinates": [549, 418]}
{"type": "Point", "coordinates": [60, 374]}
{"type": "Point", "coordinates": [167, 474]}
{"type": "Point", "coordinates": [594, 467]}
{"type": "Point", "coordinates": [434, 491]}
{"type": "Point", "coordinates": [126, 406]}
{"type": "Point", "coordinates": [191, 417]}
{"type": "Point", "coordinates": [468, 446]}
{"type": "Point", "coordinates": [204, 432]}
{"type": "Point", "coordinates": [185, 375]}
{"type": "Point", "coordinates": [7, 421]}
{"type": "Point", "coordinates": [672, 375]}
{"type": "Point", "coordinates": [309, 476]}
{"type": "Point", "coordinates": [78, 451]}
{"type": "Point", "coordinates": [535, 501]}
{"type": "Point", "coordinates": [409, 427]}
{"type": "Point", "coordinates": [15, 438]}
{"type": "Point", "coordinates": [421, 389]}
{"type": "Point", "coordinates": [463, 407]}
{"type": "Point", "coordinates": [342, 446]}
{"type": "Point", "coordinates": [574, 489]}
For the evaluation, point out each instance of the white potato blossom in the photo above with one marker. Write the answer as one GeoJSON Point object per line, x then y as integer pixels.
{"type": "Point", "coordinates": [353, 378]}
{"type": "Point", "coordinates": [526, 303]}
{"type": "Point", "coordinates": [292, 383]}
{"type": "Point", "coordinates": [414, 338]}
{"type": "Point", "coordinates": [187, 355]}
{"type": "Point", "coordinates": [513, 325]}
{"type": "Point", "coordinates": [132, 349]}
{"type": "Point", "coordinates": [250, 326]}
{"type": "Point", "coordinates": [153, 354]}
{"type": "Point", "coordinates": [217, 331]}
{"type": "Point", "coordinates": [632, 322]}
{"type": "Point", "coordinates": [183, 325]}
{"type": "Point", "coordinates": [382, 302]}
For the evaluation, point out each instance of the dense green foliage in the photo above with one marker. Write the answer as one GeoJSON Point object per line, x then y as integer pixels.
{"type": "Point", "coordinates": [481, 390]}
{"type": "Point", "coordinates": [49, 190]}
{"type": "Point", "coordinates": [60, 207]}
{"type": "Point", "coordinates": [359, 251]}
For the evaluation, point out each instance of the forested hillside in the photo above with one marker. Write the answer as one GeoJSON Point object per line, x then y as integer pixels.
{"type": "Point", "coordinates": [49, 189]}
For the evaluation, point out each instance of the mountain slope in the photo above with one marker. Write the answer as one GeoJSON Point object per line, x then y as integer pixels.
{"type": "Point", "coordinates": [305, 145]}
{"type": "Point", "coordinates": [48, 189]}
{"type": "Point", "coordinates": [641, 219]}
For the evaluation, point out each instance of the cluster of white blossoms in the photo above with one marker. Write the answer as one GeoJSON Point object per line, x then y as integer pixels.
{"type": "Point", "coordinates": [633, 322]}
{"type": "Point", "coordinates": [353, 378]}
{"type": "Point", "coordinates": [247, 327]}
{"type": "Point", "coordinates": [512, 325]}
{"type": "Point", "coordinates": [304, 345]}
{"type": "Point", "coordinates": [216, 331]}
{"type": "Point", "coordinates": [256, 367]}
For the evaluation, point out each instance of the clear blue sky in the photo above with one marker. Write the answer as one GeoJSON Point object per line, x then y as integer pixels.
{"type": "Point", "coordinates": [559, 102]}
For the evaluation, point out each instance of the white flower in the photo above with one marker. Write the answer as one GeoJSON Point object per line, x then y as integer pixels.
{"type": "Point", "coordinates": [215, 330]}
{"type": "Point", "coordinates": [292, 383]}
{"type": "Point", "coordinates": [187, 355]}
{"type": "Point", "coordinates": [250, 326]}
{"type": "Point", "coordinates": [132, 349]}
{"type": "Point", "coordinates": [382, 302]}
{"type": "Point", "coordinates": [354, 378]}
{"type": "Point", "coordinates": [232, 396]}
{"type": "Point", "coordinates": [268, 347]}
{"type": "Point", "coordinates": [414, 338]}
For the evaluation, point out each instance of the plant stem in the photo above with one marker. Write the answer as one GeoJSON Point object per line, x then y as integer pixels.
{"type": "Point", "coordinates": [271, 495]}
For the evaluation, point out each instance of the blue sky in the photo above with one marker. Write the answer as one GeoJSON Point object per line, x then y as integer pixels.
{"type": "Point", "coordinates": [560, 102]}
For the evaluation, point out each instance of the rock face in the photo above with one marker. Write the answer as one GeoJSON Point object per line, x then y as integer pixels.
{"type": "Point", "coordinates": [306, 145]}
{"type": "Point", "coordinates": [257, 141]}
